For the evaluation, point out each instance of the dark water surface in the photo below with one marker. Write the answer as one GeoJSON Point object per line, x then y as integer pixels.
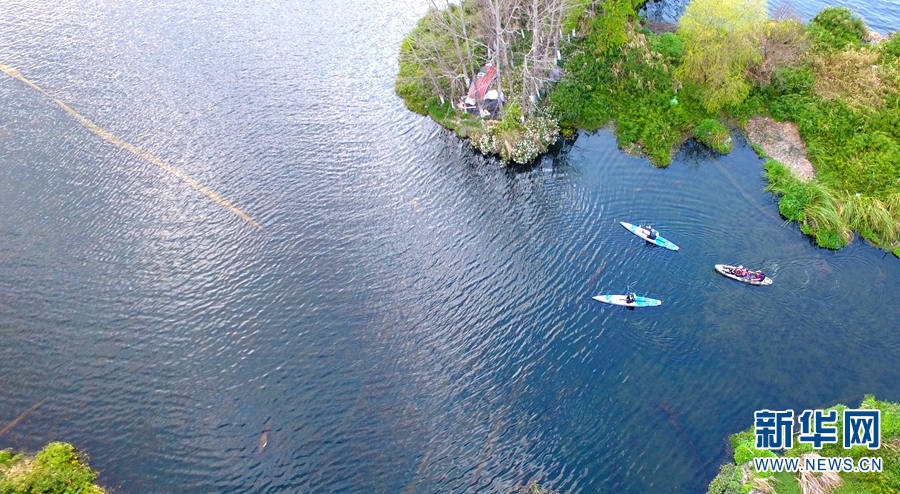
{"type": "Point", "coordinates": [413, 318]}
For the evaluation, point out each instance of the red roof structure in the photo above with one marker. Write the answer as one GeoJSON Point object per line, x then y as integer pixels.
{"type": "Point", "coordinates": [482, 82]}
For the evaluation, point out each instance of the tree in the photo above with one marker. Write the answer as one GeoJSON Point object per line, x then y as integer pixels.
{"type": "Point", "coordinates": [523, 38]}
{"type": "Point", "coordinates": [721, 38]}
{"type": "Point", "coordinates": [438, 56]}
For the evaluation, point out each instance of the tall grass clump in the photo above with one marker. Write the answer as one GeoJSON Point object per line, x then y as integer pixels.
{"type": "Point", "coordinates": [714, 134]}
{"type": "Point", "coordinates": [832, 216]}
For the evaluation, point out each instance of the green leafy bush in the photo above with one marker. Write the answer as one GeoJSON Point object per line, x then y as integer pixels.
{"type": "Point", "coordinates": [608, 29]}
{"type": "Point", "coordinates": [890, 49]}
{"type": "Point", "coordinates": [7, 458]}
{"type": "Point", "coordinates": [721, 39]}
{"type": "Point", "coordinates": [794, 80]}
{"type": "Point", "coordinates": [834, 28]}
{"type": "Point", "coordinates": [744, 445]}
{"type": "Point", "coordinates": [668, 45]}
{"type": "Point", "coordinates": [728, 481]}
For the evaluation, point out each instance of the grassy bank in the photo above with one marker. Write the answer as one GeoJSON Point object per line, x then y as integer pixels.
{"type": "Point", "coordinates": [843, 94]}
{"type": "Point", "coordinates": [726, 63]}
{"type": "Point", "coordinates": [731, 480]}
{"type": "Point", "coordinates": [57, 469]}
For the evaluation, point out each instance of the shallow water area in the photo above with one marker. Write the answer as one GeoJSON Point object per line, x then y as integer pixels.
{"type": "Point", "coordinates": [414, 317]}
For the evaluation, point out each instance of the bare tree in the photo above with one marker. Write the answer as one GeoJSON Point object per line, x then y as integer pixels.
{"type": "Point", "coordinates": [544, 22]}
{"type": "Point", "coordinates": [520, 38]}
{"type": "Point", "coordinates": [509, 26]}
{"type": "Point", "coordinates": [445, 47]}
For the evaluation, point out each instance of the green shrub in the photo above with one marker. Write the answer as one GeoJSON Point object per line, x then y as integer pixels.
{"type": "Point", "coordinates": [794, 202]}
{"type": "Point", "coordinates": [728, 481]}
{"type": "Point", "coordinates": [608, 28]}
{"type": "Point", "coordinates": [668, 45]}
{"type": "Point", "coordinates": [794, 80]}
{"type": "Point", "coordinates": [834, 28]}
{"type": "Point", "coordinates": [721, 39]}
{"type": "Point", "coordinates": [890, 49]}
{"type": "Point", "coordinates": [714, 134]}
{"type": "Point", "coordinates": [744, 445]}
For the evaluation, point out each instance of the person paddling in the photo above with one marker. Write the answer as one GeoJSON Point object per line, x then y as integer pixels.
{"type": "Point", "coordinates": [651, 233]}
{"type": "Point", "coordinates": [630, 298]}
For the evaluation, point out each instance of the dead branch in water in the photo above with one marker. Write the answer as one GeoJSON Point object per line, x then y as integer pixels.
{"type": "Point", "coordinates": [19, 418]}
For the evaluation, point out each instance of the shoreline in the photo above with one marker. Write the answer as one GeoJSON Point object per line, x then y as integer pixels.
{"type": "Point", "coordinates": [781, 141]}
{"type": "Point", "coordinates": [792, 88]}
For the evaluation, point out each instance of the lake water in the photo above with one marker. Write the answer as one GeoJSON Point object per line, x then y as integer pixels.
{"type": "Point", "coordinates": [413, 318]}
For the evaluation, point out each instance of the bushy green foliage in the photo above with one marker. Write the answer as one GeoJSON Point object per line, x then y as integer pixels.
{"type": "Point", "coordinates": [607, 32]}
{"type": "Point", "coordinates": [57, 469]}
{"type": "Point", "coordinates": [634, 86]}
{"type": "Point", "coordinates": [728, 481]}
{"type": "Point", "coordinates": [410, 83]}
{"type": "Point", "coordinates": [714, 134]}
{"type": "Point", "coordinates": [834, 28]}
{"type": "Point", "coordinates": [890, 49]}
{"type": "Point", "coordinates": [793, 80]}
{"type": "Point", "coordinates": [668, 45]}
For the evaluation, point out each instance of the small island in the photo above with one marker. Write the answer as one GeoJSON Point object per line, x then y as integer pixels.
{"type": "Point", "coordinates": [740, 477]}
{"type": "Point", "coordinates": [820, 101]}
{"type": "Point", "coordinates": [58, 468]}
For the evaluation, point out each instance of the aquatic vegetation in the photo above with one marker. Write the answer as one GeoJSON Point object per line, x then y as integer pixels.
{"type": "Point", "coordinates": [832, 216]}
{"type": "Point", "coordinates": [140, 153]}
{"type": "Point", "coordinates": [58, 468]}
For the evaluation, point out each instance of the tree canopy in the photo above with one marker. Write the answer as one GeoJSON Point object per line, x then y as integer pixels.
{"type": "Point", "coordinates": [721, 38]}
